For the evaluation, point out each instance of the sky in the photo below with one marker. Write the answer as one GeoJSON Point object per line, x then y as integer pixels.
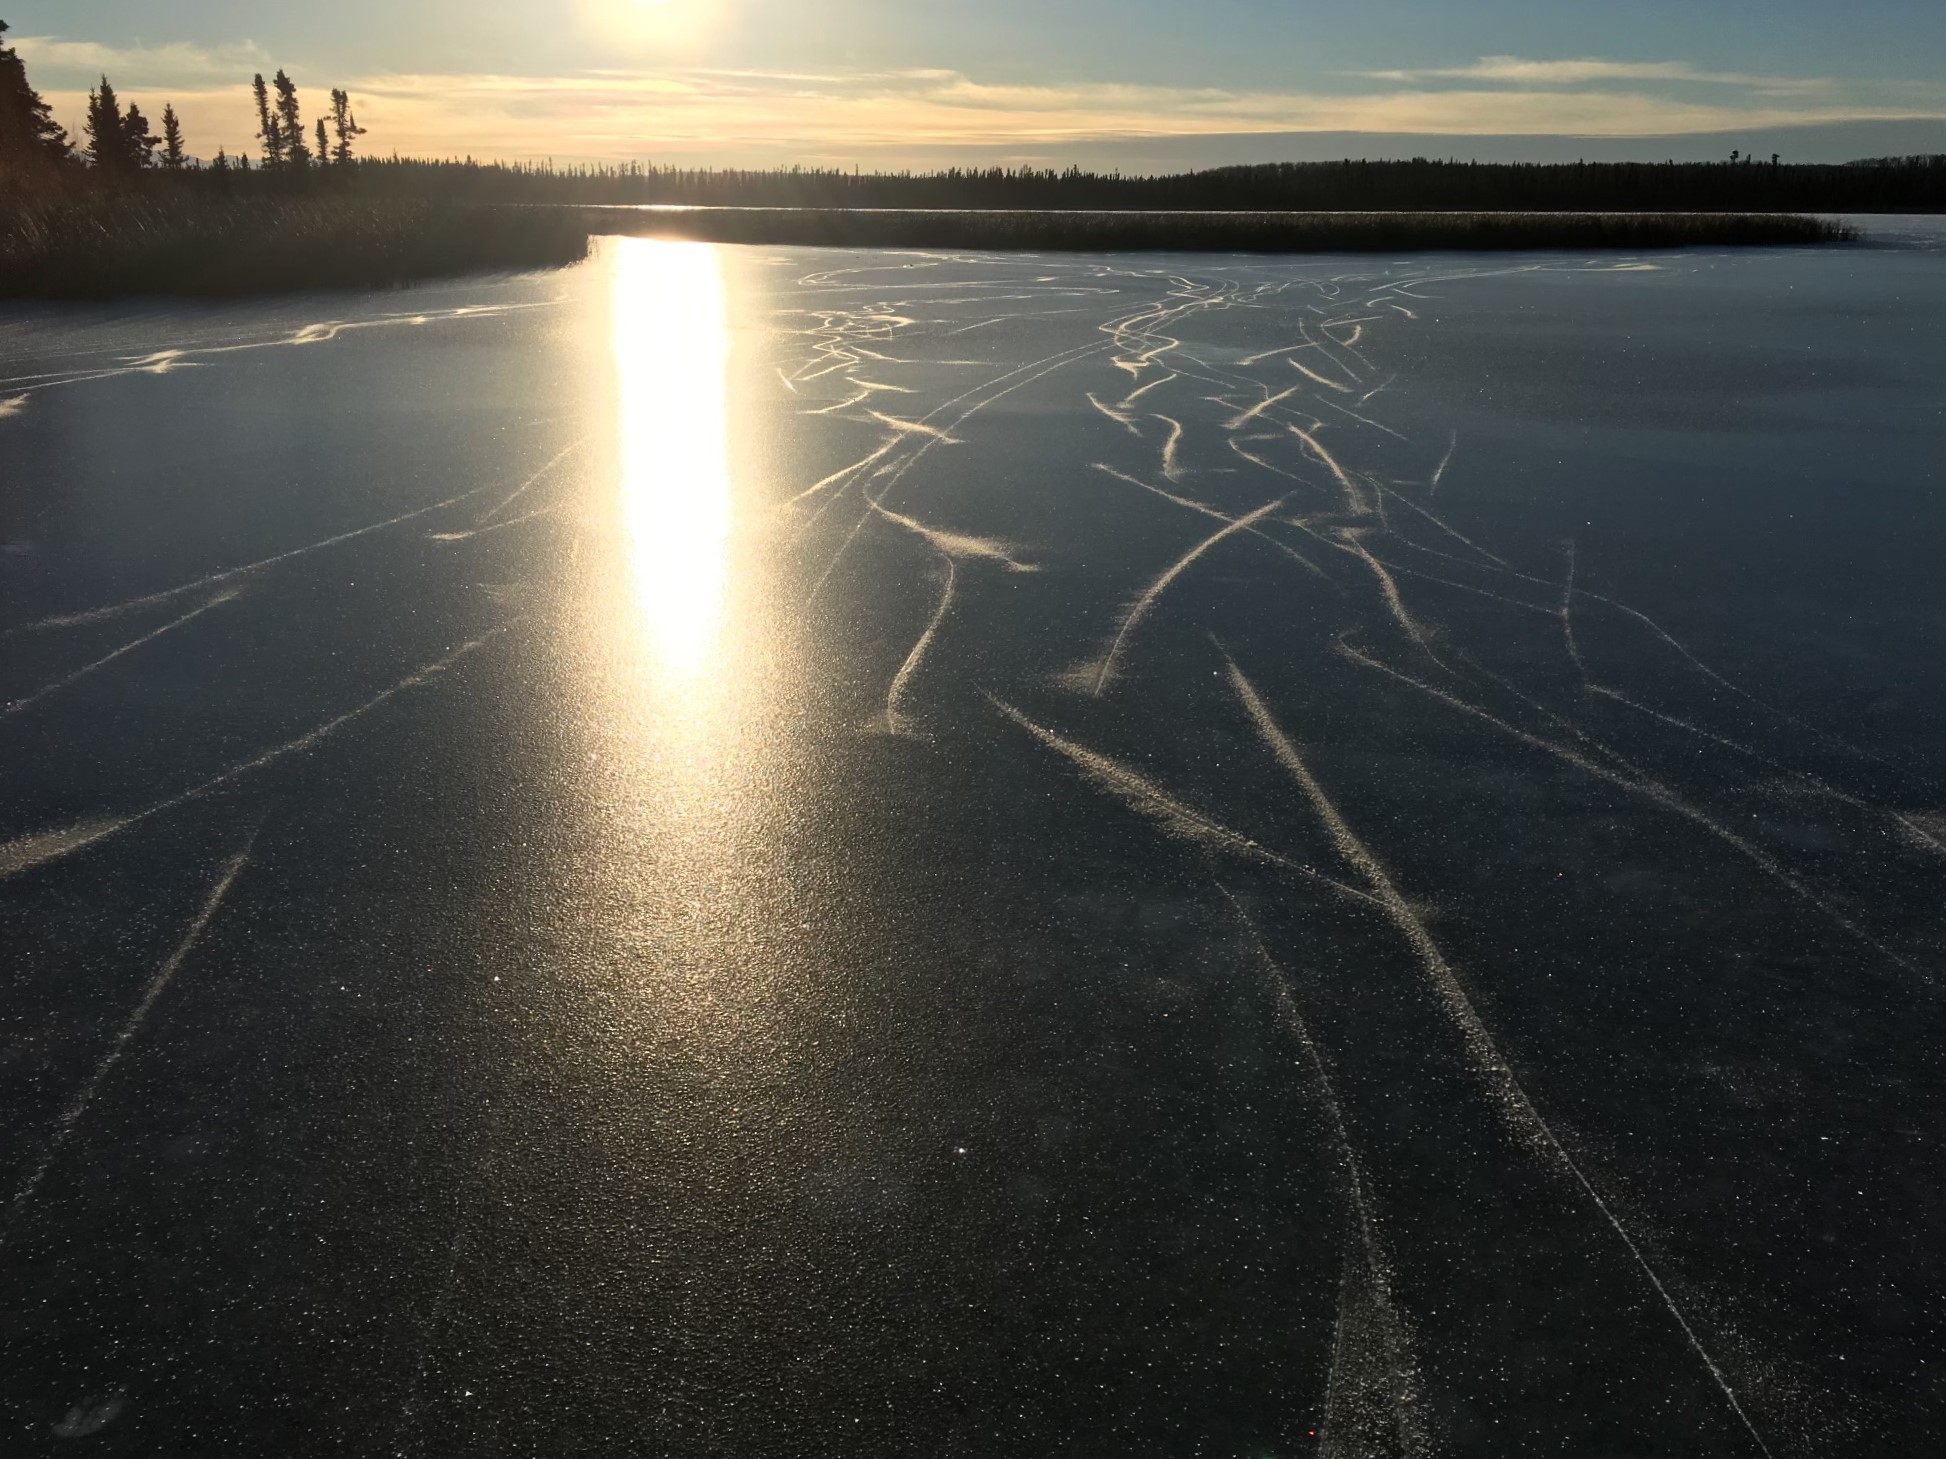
{"type": "Point", "coordinates": [1143, 84]}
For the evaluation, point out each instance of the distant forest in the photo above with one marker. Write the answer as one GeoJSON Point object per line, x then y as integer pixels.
{"type": "Point", "coordinates": [1737, 184]}
{"type": "Point", "coordinates": [119, 149]}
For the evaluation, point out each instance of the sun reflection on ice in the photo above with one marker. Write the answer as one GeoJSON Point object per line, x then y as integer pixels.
{"type": "Point", "coordinates": [672, 352]}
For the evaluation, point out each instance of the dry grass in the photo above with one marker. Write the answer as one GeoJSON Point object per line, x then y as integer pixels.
{"type": "Point", "coordinates": [112, 245]}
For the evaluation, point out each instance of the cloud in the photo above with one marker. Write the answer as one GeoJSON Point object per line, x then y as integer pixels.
{"type": "Point", "coordinates": [58, 63]}
{"type": "Point", "coordinates": [636, 114]}
{"type": "Point", "coordinates": [718, 115]}
{"type": "Point", "coordinates": [1518, 71]}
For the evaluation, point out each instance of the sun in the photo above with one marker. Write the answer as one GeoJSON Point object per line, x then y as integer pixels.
{"type": "Point", "coordinates": [669, 31]}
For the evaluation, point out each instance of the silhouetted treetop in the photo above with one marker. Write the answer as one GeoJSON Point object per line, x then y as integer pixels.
{"type": "Point", "coordinates": [345, 125]}
{"type": "Point", "coordinates": [290, 121]}
{"type": "Point", "coordinates": [30, 140]}
{"type": "Point", "coordinates": [103, 128]}
{"type": "Point", "coordinates": [172, 153]}
{"type": "Point", "coordinates": [269, 130]}
{"type": "Point", "coordinates": [119, 142]}
{"type": "Point", "coordinates": [138, 142]}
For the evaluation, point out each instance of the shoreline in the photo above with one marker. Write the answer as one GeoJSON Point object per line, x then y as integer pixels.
{"type": "Point", "coordinates": [108, 248]}
{"type": "Point", "coordinates": [1124, 230]}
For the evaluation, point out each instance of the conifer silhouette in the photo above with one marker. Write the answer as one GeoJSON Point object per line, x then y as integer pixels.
{"type": "Point", "coordinates": [345, 125]}
{"type": "Point", "coordinates": [30, 141]}
{"type": "Point", "coordinates": [108, 145]}
{"type": "Point", "coordinates": [138, 142]}
{"type": "Point", "coordinates": [268, 128]}
{"type": "Point", "coordinates": [172, 154]}
{"type": "Point", "coordinates": [290, 121]}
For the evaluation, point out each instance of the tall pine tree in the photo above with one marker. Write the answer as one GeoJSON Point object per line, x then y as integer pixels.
{"type": "Point", "coordinates": [119, 143]}
{"type": "Point", "coordinates": [290, 121]}
{"type": "Point", "coordinates": [138, 142]}
{"type": "Point", "coordinates": [345, 125]}
{"type": "Point", "coordinates": [172, 154]}
{"type": "Point", "coordinates": [30, 142]}
{"type": "Point", "coordinates": [108, 147]}
{"type": "Point", "coordinates": [268, 127]}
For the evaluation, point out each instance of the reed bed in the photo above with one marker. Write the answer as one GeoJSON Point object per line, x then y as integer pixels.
{"type": "Point", "coordinates": [115, 244]}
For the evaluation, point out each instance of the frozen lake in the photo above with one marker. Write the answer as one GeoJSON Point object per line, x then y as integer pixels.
{"type": "Point", "coordinates": [837, 853]}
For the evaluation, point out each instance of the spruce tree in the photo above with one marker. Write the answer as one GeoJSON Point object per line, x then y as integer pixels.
{"type": "Point", "coordinates": [107, 146]}
{"type": "Point", "coordinates": [172, 154]}
{"type": "Point", "coordinates": [267, 125]}
{"type": "Point", "coordinates": [29, 139]}
{"type": "Point", "coordinates": [345, 125]}
{"type": "Point", "coordinates": [290, 121]}
{"type": "Point", "coordinates": [138, 142]}
{"type": "Point", "coordinates": [323, 152]}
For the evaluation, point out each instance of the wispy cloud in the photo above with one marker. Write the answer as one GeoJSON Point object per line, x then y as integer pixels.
{"type": "Point", "coordinates": [57, 62]}
{"type": "Point", "coordinates": [689, 112]}
{"type": "Point", "coordinates": [719, 114]}
{"type": "Point", "coordinates": [1517, 70]}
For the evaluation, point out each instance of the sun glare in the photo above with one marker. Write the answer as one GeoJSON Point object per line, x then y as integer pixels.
{"type": "Point", "coordinates": [671, 346]}
{"type": "Point", "coordinates": [659, 31]}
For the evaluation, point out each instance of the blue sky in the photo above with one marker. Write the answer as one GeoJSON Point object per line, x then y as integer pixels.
{"type": "Point", "coordinates": [916, 81]}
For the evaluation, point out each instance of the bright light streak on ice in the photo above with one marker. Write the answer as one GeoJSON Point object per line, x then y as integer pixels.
{"type": "Point", "coordinates": [671, 365]}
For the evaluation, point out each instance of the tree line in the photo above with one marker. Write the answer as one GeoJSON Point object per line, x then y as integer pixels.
{"type": "Point", "coordinates": [119, 143]}
{"type": "Point", "coordinates": [1872, 185]}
